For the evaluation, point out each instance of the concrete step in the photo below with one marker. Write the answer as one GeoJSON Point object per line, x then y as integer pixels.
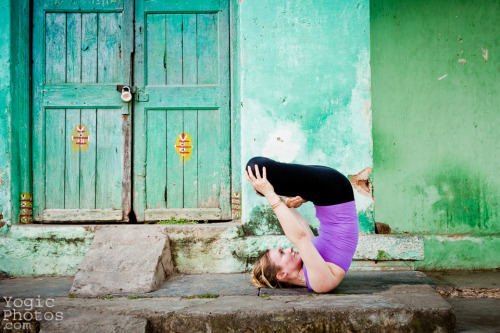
{"type": "Point", "coordinates": [364, 302]}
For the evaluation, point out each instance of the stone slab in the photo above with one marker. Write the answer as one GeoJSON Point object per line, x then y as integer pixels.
{"type": "Point", "coordinates": [466, 279]}
{"type": "Point", "coordinates": [23, 287]}
{"type": "Point", "coordinates": [124, 259]}
{"type": "Point", "coordinates": [361, 283]}
{"type": "Point", "coordinates": [476, 315]}
{"type": "Point", "coordinates": [400, 308]}
{"type": "Point", "coordinates": [207, 284]}
{"type": "Point", "coordinates": [94, 322]}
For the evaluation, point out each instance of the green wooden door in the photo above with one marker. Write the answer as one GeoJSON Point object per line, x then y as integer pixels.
{"type": "Point", "coordinates": [81, 142]}
{"type": "Point", "coordinates": [181, 121]}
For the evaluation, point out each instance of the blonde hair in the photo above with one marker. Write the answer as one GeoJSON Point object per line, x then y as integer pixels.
{"type": "Point", "coordinates": [264, 273]}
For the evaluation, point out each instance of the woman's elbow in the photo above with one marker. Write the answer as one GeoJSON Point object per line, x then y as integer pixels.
{"type": "Point", "coordinates": [298, 236]}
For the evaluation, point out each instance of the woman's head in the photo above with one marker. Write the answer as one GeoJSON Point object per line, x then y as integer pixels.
{"type": "Point", "coordinates": [276, 268]}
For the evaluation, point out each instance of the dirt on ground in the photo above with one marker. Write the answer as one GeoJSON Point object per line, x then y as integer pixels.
{"type": "Point", "coordinates": [455, 292]}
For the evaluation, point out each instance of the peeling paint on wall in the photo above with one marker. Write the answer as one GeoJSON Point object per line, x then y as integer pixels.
{"type": "Point", "coordinates": [305, 91]}
{"type": "Point", "coordinates": [484, 53]}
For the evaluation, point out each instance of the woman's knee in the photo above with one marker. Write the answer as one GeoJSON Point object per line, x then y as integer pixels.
{"type": "Point", "coordinates": [258, 160]}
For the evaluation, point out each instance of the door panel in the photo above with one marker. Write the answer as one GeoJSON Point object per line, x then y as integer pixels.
{"type": "Point", "coordinates": [182, 127]}
{"type": "Point", "coordinates": [81, 141]}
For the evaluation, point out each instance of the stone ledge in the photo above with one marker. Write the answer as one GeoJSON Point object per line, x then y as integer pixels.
{"type": "Point", "coordinates": [34, 250]}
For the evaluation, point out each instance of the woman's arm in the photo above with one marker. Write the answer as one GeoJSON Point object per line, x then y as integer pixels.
{"type": "Point", "coordinates": [302, 220]}
{"type": "Point", "coordinates": [321, 278]}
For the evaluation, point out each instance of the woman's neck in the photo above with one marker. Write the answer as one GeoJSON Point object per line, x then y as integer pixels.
{"type": "Point", "coordinates": [300, 279]}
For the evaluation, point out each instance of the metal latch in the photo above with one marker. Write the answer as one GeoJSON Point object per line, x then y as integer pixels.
{"type": "Point", "coordinates": [139, 94]}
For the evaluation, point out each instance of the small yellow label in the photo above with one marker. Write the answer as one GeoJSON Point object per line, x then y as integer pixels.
{"type": "Point", "coordinates": [80, 138]}
{"type": "Point", "coordinates": [184, 146]}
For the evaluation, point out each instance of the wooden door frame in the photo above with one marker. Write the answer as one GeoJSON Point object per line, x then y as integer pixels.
{"type": "Point", "coordinates": [23, 102]}
{"type": "Point", "coordinates": [38, 70]}
{"type": "Point", "coordinates": [234, 211]}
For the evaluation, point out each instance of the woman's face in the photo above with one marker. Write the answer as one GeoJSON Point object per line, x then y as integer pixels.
{"type": "Point", "coordinates": [288, 259]}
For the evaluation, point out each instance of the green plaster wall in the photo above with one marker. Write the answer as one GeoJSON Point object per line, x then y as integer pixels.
{"type": "Point", "coordinates": [305, 93]}
{"type": "Point", "coordinates": [5, 121]}
{"type": "Point", "coordinates": [435, 83]}
{"type": "Point", "coordinates": [20, 104]}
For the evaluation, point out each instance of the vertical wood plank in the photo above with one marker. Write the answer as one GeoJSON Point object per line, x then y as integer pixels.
{"type": "Point", "coordinates": [109, 48]}
{"type": "Point", "coordinates": [191, 166]}
{"type": "Point", "coordinates": [174, 49]}
{"type": "Point", "coordinates": [109, 159]}
{"type": "Point", "coordinates": [73, 75]}
{"type": "Point", "coordinates": [88, 167]}
{"type": "Point", "coordinates": [156, 166]}
{"type": "Point", "coordinates": [139, 118]}
{"type": "Point", "coordinates": [54, 157]}
{"type": "Point", "coordinates": [208, 164]}
{"type": "Point", "coordinates": [74, 48]}
{"type": "Point", "coordinates": [175, 166]}
{"type": "Point", "coordinates": [189, 51]}
{"type": "Point", "coordinates": [207, 48]}
{"type": "Point", "coordinates": [55, 56]}
{"type": "Point", "coordinates": [88, 161]}
{"type": "Point", "coordinates": [157, 67]}
{"type": "Point", "coordinates": [190, 77]}
{"type": "Point", "coordinates": [89, 48]}
{"type": "Point", "coordinates": [38, 114]}
{"type": "Point", "coordinates": [72, 162]}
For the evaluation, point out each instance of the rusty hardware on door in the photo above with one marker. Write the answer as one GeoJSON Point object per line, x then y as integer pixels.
{"type": "Point", "coordinates": [137, 93]}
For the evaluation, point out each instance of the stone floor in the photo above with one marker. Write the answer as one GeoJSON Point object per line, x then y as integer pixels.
{"type": "Point", "coordinates": [387, 296]}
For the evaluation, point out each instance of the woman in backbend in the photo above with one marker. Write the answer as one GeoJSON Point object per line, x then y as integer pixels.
{"type": "Point", "coordinates": [321, 262]}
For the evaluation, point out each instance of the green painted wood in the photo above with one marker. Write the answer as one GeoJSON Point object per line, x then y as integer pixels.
{"type": "Point", "coordinates": [156, 165]}
{"type": "Point", "coordinates": [189, 54]}
{"type": "Point", "coordinates": [157, 68]}
{"type": "Point", "coordinates": [185, 6]}
{"type": "Point", "coordinates": [88, 215]}
{"type": "Point", "coordinates": [82, 95]}
{"type": "Point", "coordinates": [208, 43]}
{"type": "Point", "coordinates": [73, 75]}
{"type": "Point", "coordinates": [88, 161]}
{"type": "Point", "coordinates": [71, 163]}
{"type": "Point", "coordinates": [191, 181]}
{"type": "Point", "coordinates": [55, 157]}
{"type": "Point", "coordinates": [208, 166]}
{"type": "Point", "coordinates": [109, 159]}
{"type": "Point", "coordinates": [183, 213]}
{"type": "Point", "coordinates": [95, 6]}
{"type": "Point", "coordinates": [38, 114]}
{"type": "Point", "coordinates": [77, 49]}
{"type": "Point", "coordinates": [185, 97]}
{"type": "Point", "coordinates": [89, 48]}
{"type": "Point", "coordinates": [190, 77]}
{"type": "Point", "coordinates": [139, 119]}
{"type": "Point", "coordinates": [109, 46]}
{"type": "Point", "coordinates": [174, 49]}
{"type": "Point", "coordinates": [89, 116]}
{"type": "Point", "coordinates": [55, 60]}
{"type": "Point", "coordinates": [74, 48]}
{"type": "Point", "coordinates": [197, 63]}
{"type": "Point", "coordinates": [175, 166]}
